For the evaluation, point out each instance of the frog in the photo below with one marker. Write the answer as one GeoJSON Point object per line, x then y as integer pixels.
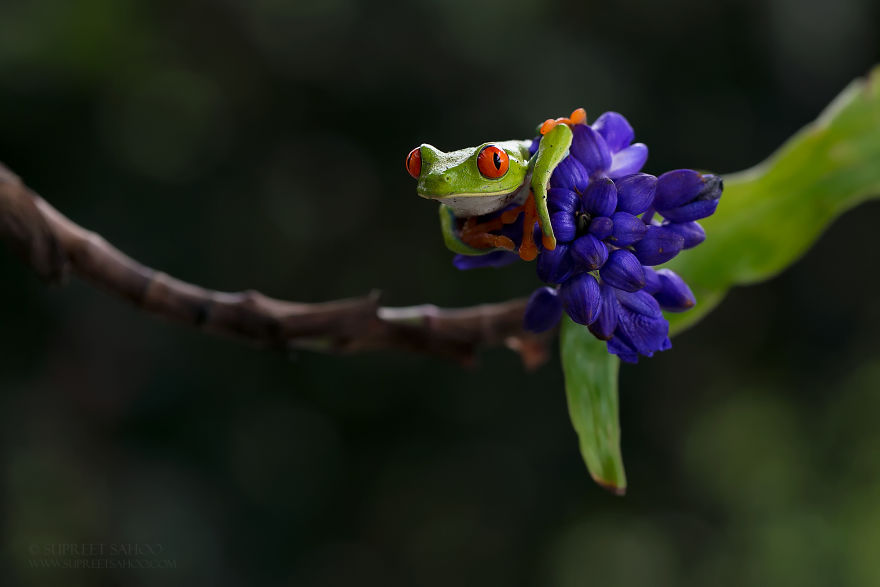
{"type": "Point", "coordinates": [500, 176]}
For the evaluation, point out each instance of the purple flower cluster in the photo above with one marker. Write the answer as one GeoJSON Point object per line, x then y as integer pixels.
{"type": "Point", "coordinates": [604, 215]}
{"type": "Point", "coordinates": [613, 224]}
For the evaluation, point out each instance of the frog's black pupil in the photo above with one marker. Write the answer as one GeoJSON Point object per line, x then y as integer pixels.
{"type": "Point", "coordinates": [496, 158]}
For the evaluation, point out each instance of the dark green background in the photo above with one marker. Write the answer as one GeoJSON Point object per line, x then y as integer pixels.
{"type": "Point", "coordinates": [260, 145]}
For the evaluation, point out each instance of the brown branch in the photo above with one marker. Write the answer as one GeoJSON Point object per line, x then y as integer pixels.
{"type": "Point", "coordinates": [54, 247]}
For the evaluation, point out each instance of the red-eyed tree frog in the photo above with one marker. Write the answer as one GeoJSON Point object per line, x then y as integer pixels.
{"type": "Point", "coordinates": [491, 177]}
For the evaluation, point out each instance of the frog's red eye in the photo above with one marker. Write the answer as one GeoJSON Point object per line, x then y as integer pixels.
{"type": "Point", "coordinates": [493, 162]}
{"type": "Point", "coordinates": [414, 162]}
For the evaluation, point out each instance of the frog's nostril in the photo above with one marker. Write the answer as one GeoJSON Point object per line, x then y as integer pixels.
{"type": "Point", "coordinates": [447, 178]}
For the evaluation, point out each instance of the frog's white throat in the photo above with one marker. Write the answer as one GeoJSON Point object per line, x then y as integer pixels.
{"type": "Point", "coordinates": [466, 205]}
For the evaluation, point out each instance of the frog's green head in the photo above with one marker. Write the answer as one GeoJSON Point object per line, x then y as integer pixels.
{"type": "Point", "coordinates": [472, 181]}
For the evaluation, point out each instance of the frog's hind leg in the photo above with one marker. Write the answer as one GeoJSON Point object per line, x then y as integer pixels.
{"type": "Point", "coordinates": [478, 235]}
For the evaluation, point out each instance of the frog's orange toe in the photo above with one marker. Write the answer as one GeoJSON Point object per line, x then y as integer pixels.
{"type": "Point", "coordinates": [547, 126]}
{"type": "Point", "coordinates": [528, 251]}
{"type": "Point", "coordinates": [579, 116]}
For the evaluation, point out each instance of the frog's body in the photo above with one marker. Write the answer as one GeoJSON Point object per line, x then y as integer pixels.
{"type": "Point", "coordinates": [490, 178]}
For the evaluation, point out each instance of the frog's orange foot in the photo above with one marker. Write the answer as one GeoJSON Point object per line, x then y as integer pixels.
{"type": "Point", "coordinates": [579, 116]}
{"type": "Point", "coordinates": [479, 235]}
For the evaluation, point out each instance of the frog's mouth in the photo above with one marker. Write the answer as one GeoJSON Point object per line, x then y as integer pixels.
{"type": "Point", "coordinates": [488, 195]}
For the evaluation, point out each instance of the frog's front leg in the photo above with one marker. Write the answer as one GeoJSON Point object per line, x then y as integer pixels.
{"type": "Point", "coordinates": [552, 149]}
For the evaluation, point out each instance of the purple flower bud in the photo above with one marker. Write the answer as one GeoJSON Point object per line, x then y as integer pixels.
{"type": "Point", "coordinates": [695, 198]}
{"type": "Point", "coordinates": [623, 271]}
{"type": "Point", "coordinates": [674, 294]}
{"type": "Point", "coordinates": [615, 129]}
{"type": "Point", "coordinates": [627, 354]}
{"type": "Point", "coordinates": [692, 232]}
{"type": "Point", "coordinates": [635, 192]}
{"type": "Point", "coordinates": [589, 252]}
{"type": "Point", "coordinates": [693, 211]}
{"type": "Point", "coordinates": [542, 310]}
{"type": "Point", "coordinates": [493, 259]}
{"type": "Point", "coordinates": [580, 298]}
{"type": "Point", "coordinates": [601, 227]}
{"type": "Point", "coordinates": [627, 229]}
{"type": "Point", "coordinates": [564, 226]}
{"type": "Point", "coordinates": [588, 147]}
{"type": "Point", "coordinates": [639, 302]}
{"type": "Point", "coordinates": [600, 197]}
{"type": "Point", "coordinates": [677, 187]}
{"type": "Point", "coordinates": [652, 280]}
{"type": "Point", "coordinates": [562, 200]}
{"type": "Point", "coordinates": [570, 174]}
{"type": "Point", "coordinates": [658, 245]}
{"type": "Point", "coordinates": [628, 161]}
{"type": "Point", "coordinates": [606, 321]}
{"type": "Point", "coordinates": [554, 266]}
{"type": "Point", "coordinates": [640, 325]}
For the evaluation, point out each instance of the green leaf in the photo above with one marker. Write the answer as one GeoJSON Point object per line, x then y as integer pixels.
{"type": "Point", "coordinates": [771, 214]}
{"type": "Point", "coordinates": [768, 217]}
{"type": "Point", "coordinates": [591, 388]}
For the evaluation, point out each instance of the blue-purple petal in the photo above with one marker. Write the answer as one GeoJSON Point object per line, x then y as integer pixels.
{"type": "Point", "coordinates": [690, 212]}
{"type": "Point", "coordinates": [627, 354]}
{"type": "Point", "coordinates": [600, 197]}
{"type": "Point", "coordinates": [640, 323]}
{"type": "Point", "coordinates": [635, 193]}
{"type": "Point", "coordinates": [701, 205]}
{"type": "Point", "coordinates": [652, 280]}
{"type": "Point", "coordinates": [606, 322]}
{"type": "Point", "coordinates": [615, 129]}
{"type": "Point", "coordinates": [554, 266]}
{"type": "Point", "coordinates": [564, 226]}
{"type": "Point", "coordinates": [627, 229]}
{"type": "Point", "coordinates": [588, 147]}
{"type": "Point", "coordinates": [677, 187]}
{"type": "Point", "coordinates": [623, 271]}
{"type": "Point", "coordinates": [658, 246]}
{"type": "Point", "coordinates": [628, 161]}
{"type": "Point", "coordinates": [588, 252]}
{"type": "Point", "coordinates": [562, 200]}
{"type": "Point", "coordinates": [647, 335]}
{"type": "Point", "coordinates": [493, 259]}
{"type": "Point", "coordinates": [601, 227]}
{"type": "Point", "coordinates": [639, 302]}
{"type": "Point", "coordinates": [580, 298]}
{"type": "Point", "coordinates": [674, 294]}
{"type": "Point", "coordinates": [692, 233]}
{"type": "Point", "coordinates": [543, 310]}
{"type": "Point", "coordinates": [570, 174]}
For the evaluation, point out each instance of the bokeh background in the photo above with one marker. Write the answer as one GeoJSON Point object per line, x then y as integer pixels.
{"type": "Point", "coordinates": [260, 145]}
